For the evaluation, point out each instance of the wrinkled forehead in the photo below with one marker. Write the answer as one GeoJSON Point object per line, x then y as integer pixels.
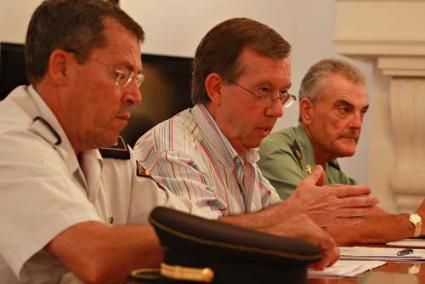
{"type": "Point", "coordinates": [338, 87]}
{"type": "Point", "coordinates": [122, 46]}
{"type": "Point", "coordinates": [264, 68]}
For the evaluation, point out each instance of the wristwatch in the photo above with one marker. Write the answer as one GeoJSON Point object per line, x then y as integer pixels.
{"type": "Point", "coordinates": [416, 220]}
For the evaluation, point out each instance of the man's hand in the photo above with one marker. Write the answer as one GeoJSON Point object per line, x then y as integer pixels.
{"type": "Point", "coordinates": [337, 205]}
{"type": "Point", "coordinates": [302, 227]}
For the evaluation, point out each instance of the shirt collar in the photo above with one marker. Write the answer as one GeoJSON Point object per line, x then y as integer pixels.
{"type": "Point", "coordinates": [216, 139]}
{"type": "Point", "coordinates": [307, 148]}
{"type": "Point", "coordinates": [65, 148]}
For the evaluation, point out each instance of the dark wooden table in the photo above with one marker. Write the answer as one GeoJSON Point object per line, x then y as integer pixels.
{"type": "Point", "coordinates": [390, 273]}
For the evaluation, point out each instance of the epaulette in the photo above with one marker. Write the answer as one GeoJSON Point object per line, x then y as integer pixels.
{"type": "Point", "coordinates": [297, 152]}
{"type": "Point", "coordinates": [41, 127]}
{"type": "Point", "coordinates": [299, 156]}
{"type": "Point", "coordinates": [118, 151]}
{"type": "Point", "coordinates": [142, 171]}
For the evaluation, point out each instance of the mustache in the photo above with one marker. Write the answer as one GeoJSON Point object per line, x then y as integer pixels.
{"type": "Point", "coordinates": [352, 135]}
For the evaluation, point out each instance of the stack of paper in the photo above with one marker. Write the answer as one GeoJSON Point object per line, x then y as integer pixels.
{"type": "Point", "coordinates": [412, 243]}
{"type": "Point", "coordinates": [381, 253]}
{"type": "Point", "coordinates": [345, 268]}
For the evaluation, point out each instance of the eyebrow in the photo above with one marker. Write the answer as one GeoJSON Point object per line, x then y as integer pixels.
{"type": "Point", "coordinates": [343, 101]}
{"type": "Point", "coordinates": [128, 66]}
{"type": "Point", "coordinates": [271, 83]}
{"type": "Point", "coordinates": [289, 86]}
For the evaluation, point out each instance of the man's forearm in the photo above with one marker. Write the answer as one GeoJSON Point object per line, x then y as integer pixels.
{"type": "Point", "coordinates": [270, 216]}
{"type": "Point", "coordinates": [100, 254]}
{"type": "Point", "coordinates": [374, 229]}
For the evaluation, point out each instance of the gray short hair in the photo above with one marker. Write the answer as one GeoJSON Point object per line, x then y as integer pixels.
{"type": "Point", "coordinates": [316, 76]}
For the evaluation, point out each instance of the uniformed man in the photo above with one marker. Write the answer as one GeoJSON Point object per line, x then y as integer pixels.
{"type": "Point", "coordinates": [58, 195]}
{"type": "Point", "coordinates": [64, 205]}
{"type": "Point", "coordinates": [332, 104]}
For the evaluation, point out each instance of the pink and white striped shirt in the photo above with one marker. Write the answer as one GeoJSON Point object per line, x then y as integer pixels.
{"type": "Point", "coordinates": [189, 155]}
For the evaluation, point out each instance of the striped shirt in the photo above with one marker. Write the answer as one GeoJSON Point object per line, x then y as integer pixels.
{"type": "Point", "coordinates": [189, 155]}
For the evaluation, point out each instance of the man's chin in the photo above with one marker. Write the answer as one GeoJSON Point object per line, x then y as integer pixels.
{"type": "Point", "coordinates": [346, 152]}
{"type": "Point", "coordinates": [109, 141]}
{"type": "Point", "coordinates": [255, 143]}
{"type": "Point", "coordinates": [113, 141]}
{"type": "Point", "coordinates": [346, 148]}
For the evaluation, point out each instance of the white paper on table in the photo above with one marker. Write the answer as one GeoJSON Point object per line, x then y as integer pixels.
{"type": "Point", "coordinates": [345, 268]}
{"type": "Point", "coordinates": [380, 253]}
{"type": "Point", "coordinates": [413, 242]}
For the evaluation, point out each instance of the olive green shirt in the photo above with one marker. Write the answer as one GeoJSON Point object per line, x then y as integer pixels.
{"type": "Point", "coordinates": [287, 156]}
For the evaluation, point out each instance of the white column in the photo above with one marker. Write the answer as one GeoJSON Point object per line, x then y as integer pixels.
{"type": "Point", "coordinates": [392, 32]}
{"type": "Point", "coordinates": [408, 120]}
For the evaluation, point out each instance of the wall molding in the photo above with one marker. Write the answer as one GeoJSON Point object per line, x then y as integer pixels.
{"type": "Point", "coordinates": [393, 33]}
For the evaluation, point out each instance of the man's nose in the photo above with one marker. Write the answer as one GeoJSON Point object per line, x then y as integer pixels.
{"type": "Point", "coordinates": [357, 119]}
{"type": "Point", "coordinates": [275, 110]}
{"type": "Point", "coordinates": [132, 93]}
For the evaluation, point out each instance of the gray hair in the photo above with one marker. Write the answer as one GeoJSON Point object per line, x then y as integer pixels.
{"type": "Point", "coordinates": [317, 75]}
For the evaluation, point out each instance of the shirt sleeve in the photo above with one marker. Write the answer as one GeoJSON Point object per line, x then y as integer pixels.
{"type": "Point", "coordinates": [38, 198]}
{"type": "Point", "coordinates": [179, 173]}
{"type": "Point", "coordinates": [269, 194]}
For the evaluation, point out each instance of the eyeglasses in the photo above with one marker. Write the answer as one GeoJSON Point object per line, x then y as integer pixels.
{"type": "Point", "coordinates": [123, 77]}
{"type": "Point", "coordinates": [266, 98]}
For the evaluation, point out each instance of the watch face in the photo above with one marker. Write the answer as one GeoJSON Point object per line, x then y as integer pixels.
{"type": "Point", "coordinates": [415, 218]}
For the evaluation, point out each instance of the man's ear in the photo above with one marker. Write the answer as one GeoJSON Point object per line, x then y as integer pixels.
{"type": "Point", "coordinates": [58, 66]}
{"type": "Point", "coordinates": [306, 110]}
{"type": "Point", "coordinates": [213, 84]}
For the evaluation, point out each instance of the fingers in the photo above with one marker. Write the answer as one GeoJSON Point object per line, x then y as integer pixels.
{"type": "Point", "coordinates": [330, 253]}
{"type": "Point", "coordinates": [319, 237]}
{"type": "Point", "coordinates": [329, 257]}
{"type": "Point", "coordinates": [358, 201]}
{"type": "Point", "coordinates": [349, 190]}
{"type": "Point", "coordinates": [356, 211]}
{"type": "Point", "coordinates": [327, 260]}
{"type": "Point", "coordinates": [316, 177]}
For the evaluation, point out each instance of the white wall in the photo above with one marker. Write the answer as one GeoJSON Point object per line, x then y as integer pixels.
{"type": "Point", "coordinates": [175, 27]}
{"type": "Point", "coordinates": [14, 19]}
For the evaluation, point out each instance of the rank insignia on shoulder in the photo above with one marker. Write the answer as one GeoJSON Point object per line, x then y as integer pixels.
{"type": "Point", "coordinates": [308, 169]}
{"type": "Point", "coordinates": [118, 151]}
{"type": "Point", "coordinates": [297, 152]}
{"type": "Point", "coordinates": [41, 127]}
{"type": "Point", "coordinates": [142, 171]}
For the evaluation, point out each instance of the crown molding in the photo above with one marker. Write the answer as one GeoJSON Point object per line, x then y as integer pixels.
{"type": "Point", "coordinates": [380, 47]}
{"type": "Point", "coordinates": [393, 31]}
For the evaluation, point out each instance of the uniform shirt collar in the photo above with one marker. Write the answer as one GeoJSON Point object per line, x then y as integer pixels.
{"type": "Point", "coordinates": [65, 148]}
{"type": "Point", "coordinates": [307, 149]}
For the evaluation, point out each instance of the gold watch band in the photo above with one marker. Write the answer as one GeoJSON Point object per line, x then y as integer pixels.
{"type": "Point", "coordinates": [416, 220]}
